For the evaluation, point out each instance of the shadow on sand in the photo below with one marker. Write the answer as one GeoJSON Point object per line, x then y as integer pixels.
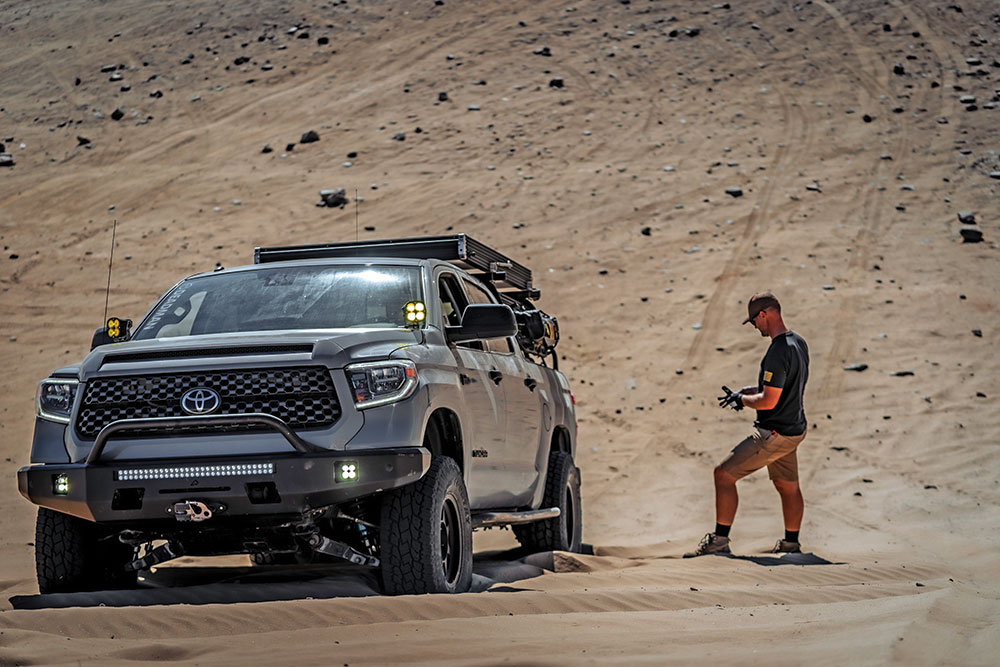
{"type": "Point", "coordinates": [786, 559]}
{"type": "Point", "coordinates": [219, 584]}
{"type": "Point", "coordinates": [198, 585]}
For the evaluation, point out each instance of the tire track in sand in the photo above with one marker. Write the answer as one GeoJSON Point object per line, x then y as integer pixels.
{"type": "Point", "coordinates": [800, 138]}
{"type": "Point", "coordinates": [874, 204]}
{"type": "Point", "coordinates": [800, 135]}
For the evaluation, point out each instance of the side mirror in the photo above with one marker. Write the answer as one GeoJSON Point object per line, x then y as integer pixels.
{"type": "Point", "coordinates": [481, 321]}
{"type": "Point", "coordinates": [116, 330]}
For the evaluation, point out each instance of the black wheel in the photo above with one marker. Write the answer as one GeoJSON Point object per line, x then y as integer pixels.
{"type": "Point", "coordinates": [562, 490]}
{"type": "Point", "coordinates": [76, 555]}
{"type": "Point", "coordinates": [426, 534]}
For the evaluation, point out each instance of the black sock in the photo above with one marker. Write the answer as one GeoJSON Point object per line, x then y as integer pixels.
{"type": "Point", "coordinates": [722, 531]}
{"type": "Point", "coordinates": [791, 535]}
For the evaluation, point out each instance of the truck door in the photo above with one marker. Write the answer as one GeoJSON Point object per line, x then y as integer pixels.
{"type": "Point", "coordinates": [522, 388]}
{"type": "Point", "coordinates": [484, 418]}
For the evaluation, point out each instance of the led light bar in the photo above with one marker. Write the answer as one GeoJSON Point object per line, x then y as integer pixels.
{"type": "Point", "coordinates": [222, 470]}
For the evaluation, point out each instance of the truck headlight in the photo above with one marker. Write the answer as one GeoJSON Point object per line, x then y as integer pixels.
{"type": "Point", "coordinates": [54, 400]}
{"type": "Point", "coordinates": [381, 382]}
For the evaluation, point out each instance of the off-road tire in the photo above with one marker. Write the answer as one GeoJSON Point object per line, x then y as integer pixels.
{"type": "Point", "coordinates": [562, 490]}
{"type": "Point", "coordinates": [426, 534]}
{"type": "Point", "coordinates": [72, 555]}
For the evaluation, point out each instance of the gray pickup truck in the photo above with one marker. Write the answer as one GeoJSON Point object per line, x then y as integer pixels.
{"type": "Point", "coordinates": [372, 401]}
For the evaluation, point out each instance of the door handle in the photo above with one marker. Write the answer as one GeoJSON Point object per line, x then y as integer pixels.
{"type": "Point", "coordinates": [464, 379]}
{"type": "Point", "coordinates": [530, 383]}
{"type": "Point", "coordinates": [496, 376]}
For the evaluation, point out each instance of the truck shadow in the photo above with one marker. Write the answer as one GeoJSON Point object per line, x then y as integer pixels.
{"type": "Point", "coordinates": [198, 585]}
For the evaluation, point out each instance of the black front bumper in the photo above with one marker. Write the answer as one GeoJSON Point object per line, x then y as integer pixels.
{"type": "Point", "coordinates": [284, 484]}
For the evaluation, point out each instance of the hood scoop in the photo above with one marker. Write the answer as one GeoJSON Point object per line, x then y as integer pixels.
{"type": "Point", "coordinates": [194, 353]}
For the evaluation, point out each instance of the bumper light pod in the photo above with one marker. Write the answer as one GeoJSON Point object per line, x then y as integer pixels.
{"type": "Point", "coordinates": [348, 471]}
{"type": "Point", "coordinates": [60, 485]}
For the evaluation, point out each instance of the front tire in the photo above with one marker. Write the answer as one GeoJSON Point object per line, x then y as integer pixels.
{"type": "Point", "coordinates": [562, 490]}
{"type": "Point", "coordinates": [426, 534]}
{"type": "Point", "coordinates": [72, 555]}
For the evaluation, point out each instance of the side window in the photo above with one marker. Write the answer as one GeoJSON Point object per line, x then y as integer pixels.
{"type": "Point", "coordinates": [478, 295]}
{"type": "Point", "coordinates": [453, 303]}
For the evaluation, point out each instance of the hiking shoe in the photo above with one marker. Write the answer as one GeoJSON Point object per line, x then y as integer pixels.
{"type": "Point", "coordinates": [786, 547]}
{"type": "Point", "coordinates": [710, 544]}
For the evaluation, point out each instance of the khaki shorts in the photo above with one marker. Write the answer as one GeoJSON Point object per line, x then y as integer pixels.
{"type": "Point", "coordinates": [765, 448]}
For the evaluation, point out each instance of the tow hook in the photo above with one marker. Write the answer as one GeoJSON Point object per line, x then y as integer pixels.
{"type": "Point", "coordinates": [325, 545]}
{"type": "Point", "coordinates": [191, 510]}
{"type": "Point", "coordinates": [160, 554]}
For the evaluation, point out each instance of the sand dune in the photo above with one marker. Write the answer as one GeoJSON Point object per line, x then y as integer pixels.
{"type": "Point", "coordinates": [842, 123]}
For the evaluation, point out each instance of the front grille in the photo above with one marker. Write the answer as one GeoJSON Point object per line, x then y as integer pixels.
{"type": "Point", "coordinates": [301, 397]}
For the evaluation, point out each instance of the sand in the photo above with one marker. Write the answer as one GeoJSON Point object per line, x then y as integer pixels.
{"type": "Point", "coordinates": [843, 125]}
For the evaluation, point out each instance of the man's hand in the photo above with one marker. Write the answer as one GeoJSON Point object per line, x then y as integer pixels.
{"type": "Point", "coordinates": [732, 399]}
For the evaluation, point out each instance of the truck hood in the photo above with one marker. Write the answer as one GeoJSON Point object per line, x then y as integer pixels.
{"type": "Point", "coordinates": [332, 348]}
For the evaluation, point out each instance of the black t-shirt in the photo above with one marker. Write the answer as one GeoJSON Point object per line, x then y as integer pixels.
{"type": "Point", "coordinates": [786, 365]}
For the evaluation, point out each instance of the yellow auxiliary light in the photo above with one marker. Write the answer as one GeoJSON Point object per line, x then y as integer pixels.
{"type": "Point", "coordinates": [116, 329]}
{"type": "Point", "coordinates": [414, 312]}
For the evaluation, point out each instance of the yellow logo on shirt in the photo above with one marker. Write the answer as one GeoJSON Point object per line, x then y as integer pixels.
{"type": "Point", "coordinates": [767, 376]}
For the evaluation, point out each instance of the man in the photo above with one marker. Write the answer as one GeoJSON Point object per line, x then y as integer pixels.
{"type": "Point", "coordinates": [780, 427]}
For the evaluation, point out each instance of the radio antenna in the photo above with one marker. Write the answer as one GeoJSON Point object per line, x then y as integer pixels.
{"type": "Point", "coordinates": [357, 223]}
{"type": "Point", "coordinates": [107, 294]}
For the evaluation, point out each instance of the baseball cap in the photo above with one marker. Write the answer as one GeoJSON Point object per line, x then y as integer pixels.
{"type": "Point", "coordinates": [759, 302]}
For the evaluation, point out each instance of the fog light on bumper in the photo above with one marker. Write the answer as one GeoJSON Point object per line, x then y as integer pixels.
{"type": "Point", "coordinates": [60, 485]}
{"type": "Point", "coordinates": [348, 471]}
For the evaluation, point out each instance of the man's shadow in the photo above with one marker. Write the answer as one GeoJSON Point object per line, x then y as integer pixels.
{"type": "Point", "coordinates": [784, 559]}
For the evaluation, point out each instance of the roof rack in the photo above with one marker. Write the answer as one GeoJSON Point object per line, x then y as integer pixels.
{"type": "Point", "coordinates": [459, 249]}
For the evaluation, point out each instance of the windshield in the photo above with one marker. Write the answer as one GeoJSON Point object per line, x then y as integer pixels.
{"type": "Point", "coordinates": [299, 297]}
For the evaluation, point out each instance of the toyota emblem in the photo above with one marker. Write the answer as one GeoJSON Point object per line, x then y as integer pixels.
{"type": "Point", "coordinates": [200, 401]}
